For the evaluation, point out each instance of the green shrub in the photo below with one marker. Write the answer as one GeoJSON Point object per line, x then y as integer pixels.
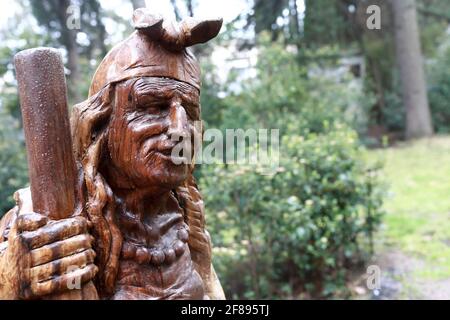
{"type": "Point", "coordinates": [13, 164]}
{"type": "Point", "coordinates": [298, 230]}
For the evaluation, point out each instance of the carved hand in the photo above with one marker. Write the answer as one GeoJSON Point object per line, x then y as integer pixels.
{"type": "Point", "coordinates": [47, 256]}
{"type": "Point", "coordinates": [60, 253]}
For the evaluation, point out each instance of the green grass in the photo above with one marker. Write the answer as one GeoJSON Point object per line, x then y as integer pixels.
{"type": "Point", "coordinates": [417, 217]}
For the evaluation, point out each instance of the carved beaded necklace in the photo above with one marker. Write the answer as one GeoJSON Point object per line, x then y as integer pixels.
{"type": "Point", "coordinates": [156, 243]}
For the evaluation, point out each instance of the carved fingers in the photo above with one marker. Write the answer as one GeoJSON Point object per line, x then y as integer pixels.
{"type": "Point", "coordinates": [64, 282]}
{"type": "Point", "coordinates": [60, 249]}
{"type": "Point", "coordinates": [30, 221]}
{"type": "Point", "coordinates": [60, 253]}
{"type": "Point", "coordinates": [54, 231]}
{"type": "Point", "coordinates": [49, 270]}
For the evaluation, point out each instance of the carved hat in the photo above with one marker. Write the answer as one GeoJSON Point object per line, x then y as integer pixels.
{"type": "Point", "coordinates": [156, 49]}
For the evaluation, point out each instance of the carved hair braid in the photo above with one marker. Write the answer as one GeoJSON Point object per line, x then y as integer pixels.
{"type": "Point", "coordinates": [199, 240]}
{"type": "Point", "coordinates": [89, 123]}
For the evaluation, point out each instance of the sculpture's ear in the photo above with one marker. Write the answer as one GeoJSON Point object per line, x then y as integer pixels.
{"type": "Point", "coordinates": [200, 31]}
{"type": "Point", "coordinates": [148, 23]}
{"type": "Point", "coordinates": [175, 37]}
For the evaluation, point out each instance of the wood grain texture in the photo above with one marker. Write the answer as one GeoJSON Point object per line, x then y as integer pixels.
{"type": "Point", "coordinates": [43, 101]}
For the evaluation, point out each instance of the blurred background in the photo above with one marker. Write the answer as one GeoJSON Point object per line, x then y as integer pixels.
{"type": "Point", "coordinates": [360, 92]}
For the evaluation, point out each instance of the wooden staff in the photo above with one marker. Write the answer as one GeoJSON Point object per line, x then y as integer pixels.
{"type": "Point", "coordinates": [51, 163]}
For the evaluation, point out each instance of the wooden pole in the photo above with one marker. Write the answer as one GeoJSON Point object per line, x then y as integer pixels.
{"type": "Point", "coordinates": [52, 170]}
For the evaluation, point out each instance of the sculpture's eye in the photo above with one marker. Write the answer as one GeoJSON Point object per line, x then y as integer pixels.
{"type": "Point", "coordinates": [192, 109]}
{"type": "Point", "coordinates": [152, 107]}
{"type": "Point", "coordinates": [193, 112]}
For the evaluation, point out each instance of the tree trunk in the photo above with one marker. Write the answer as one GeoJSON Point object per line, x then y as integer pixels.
{"type": "Point", "coordinates": [410, 62]}
{"type": "Point", "coordinates": [69, 40]}
{"type": "Point", "coordinates": [175, 10]}
{"type": "Point", "coordinates": [138, 4]}
{"type": "Point", "coordinates": [190, 8]}
{"type": "Point", "coordinates": [294, 24]}
{"type": "Point", "coordinates": [73, 65]}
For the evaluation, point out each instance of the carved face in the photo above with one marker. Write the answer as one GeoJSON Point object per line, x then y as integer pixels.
{"type": "Point", "coordinates": [151, 116]}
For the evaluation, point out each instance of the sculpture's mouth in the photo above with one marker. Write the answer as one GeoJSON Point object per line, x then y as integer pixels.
{"type": "Point", "coordinates": [177, 155]}
{"type": "Point", "coordinates": [166, 153]}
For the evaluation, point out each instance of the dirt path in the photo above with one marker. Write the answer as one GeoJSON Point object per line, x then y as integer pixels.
{"type": "Point", "coordinates": [398, 280]}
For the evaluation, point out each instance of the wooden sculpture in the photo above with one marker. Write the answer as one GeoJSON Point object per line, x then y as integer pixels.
{"type": "Point", "coordinates": [107, 206]}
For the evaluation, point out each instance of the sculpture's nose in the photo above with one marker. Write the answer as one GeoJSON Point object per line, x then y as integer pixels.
{"type": "Point", "coordinates": [178, 127]}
